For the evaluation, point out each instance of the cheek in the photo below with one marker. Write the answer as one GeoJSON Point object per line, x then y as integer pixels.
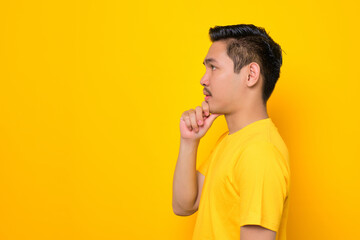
{"type": "Point", "coordinates": [226, 85]}
{"type": "Point", "coordinates": [237, 83]}
{"type": "Point", "coordinates": [233, 92]}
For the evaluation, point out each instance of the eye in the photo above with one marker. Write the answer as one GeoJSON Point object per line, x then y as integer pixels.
{"type": "Point", "coordinates": [212, 67]}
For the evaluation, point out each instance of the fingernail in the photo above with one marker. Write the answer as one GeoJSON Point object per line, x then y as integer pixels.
{"type": "Point", "coordinates": [199, 122]}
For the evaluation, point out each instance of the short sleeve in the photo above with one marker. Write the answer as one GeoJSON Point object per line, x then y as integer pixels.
{"type": "Point", "coordinates": [261, 185]}
{"type": "Point", "coordinates": [203, 168]}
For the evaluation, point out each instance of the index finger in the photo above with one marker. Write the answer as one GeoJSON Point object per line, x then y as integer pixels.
{"type": "Point", "coordinates": [205, 107]}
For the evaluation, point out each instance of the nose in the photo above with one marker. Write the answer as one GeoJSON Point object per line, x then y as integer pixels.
{"type": "Point", "coordinates": [204, 80]}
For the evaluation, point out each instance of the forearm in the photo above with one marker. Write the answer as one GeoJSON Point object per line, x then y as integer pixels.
{"type": "Point", "coordinates": [185, 183]}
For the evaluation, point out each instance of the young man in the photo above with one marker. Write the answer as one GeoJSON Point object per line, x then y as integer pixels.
{"type": "Point", "coordinates": [242, 190]}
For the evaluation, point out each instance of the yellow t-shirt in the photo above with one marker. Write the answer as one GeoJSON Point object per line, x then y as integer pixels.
{"type": "Point", "coordinates": [247, 181]}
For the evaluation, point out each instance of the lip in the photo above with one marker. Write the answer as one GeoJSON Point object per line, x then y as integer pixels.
{"type": "Point", "coordinates": [206, 93]}
{"type": "Point", "coordinates": [207, 97]}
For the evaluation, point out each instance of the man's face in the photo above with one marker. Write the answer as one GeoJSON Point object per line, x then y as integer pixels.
{"type": "Point", "coordinates": [225, 86]}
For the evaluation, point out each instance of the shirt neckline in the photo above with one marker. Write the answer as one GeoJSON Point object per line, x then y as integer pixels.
{"type": "Point", "coordinates": [249, 127]}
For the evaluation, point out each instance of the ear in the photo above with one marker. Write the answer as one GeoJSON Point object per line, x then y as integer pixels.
{"type": "Point", "coordinates": [253, 74]}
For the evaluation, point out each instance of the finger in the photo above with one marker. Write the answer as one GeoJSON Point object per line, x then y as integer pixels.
{"type": "Point", "coordinates": [205, 107]}
{"type": "Point", "coordinates": [212, 117]}
{"type": "Point", "coordinates": [193, 120]}
{"type": "Point", "coordinates": [186, 118]}
{"type": "Point", "coordinates": [199, 115]}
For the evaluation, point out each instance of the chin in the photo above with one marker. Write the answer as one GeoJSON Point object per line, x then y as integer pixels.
{"type": "Point", "coordinates": [212, 111]}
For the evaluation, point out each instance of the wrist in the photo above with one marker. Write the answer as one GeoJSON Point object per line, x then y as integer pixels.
{"type": "Point", "coordinates": [189, 141]}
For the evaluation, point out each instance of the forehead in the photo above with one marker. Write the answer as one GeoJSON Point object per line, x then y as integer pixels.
{"type": "Point", "coordinates": [217, 51]}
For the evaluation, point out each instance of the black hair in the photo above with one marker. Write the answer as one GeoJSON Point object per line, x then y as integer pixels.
{"type": "Point", "coordinates": [248, 43]}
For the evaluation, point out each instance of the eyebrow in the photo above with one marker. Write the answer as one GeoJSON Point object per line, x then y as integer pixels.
{"type": "Point", "coordinates": [209, 60]}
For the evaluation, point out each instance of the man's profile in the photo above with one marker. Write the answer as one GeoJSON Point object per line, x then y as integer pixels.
{"type": "Point", "coordinates": [242, 190]}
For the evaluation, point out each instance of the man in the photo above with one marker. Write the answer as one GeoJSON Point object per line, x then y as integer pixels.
{"type": "Point", "coordinates": [242, 190]}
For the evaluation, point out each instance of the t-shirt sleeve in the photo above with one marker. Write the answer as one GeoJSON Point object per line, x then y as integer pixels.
{"type": "Point", "coordinates": [261, 185]}
{"type": "Point", "coordinates": [203, 167]}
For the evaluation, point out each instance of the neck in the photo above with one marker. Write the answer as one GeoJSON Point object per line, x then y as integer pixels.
{"type": "Point", "coordinates": [239, 119]}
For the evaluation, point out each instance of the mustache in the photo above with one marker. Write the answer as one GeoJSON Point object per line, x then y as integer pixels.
{"type": "Point", "coordinates": [207, 91]}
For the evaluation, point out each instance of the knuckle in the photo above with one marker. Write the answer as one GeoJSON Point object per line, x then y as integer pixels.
{"type": "Point", "coordinates": [193, 123]}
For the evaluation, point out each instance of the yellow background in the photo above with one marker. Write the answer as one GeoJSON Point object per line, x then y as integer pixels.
{"type": "Point", "coordinates": [91, 96]}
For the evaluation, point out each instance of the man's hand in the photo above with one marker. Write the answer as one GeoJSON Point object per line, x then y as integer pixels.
{"type": "Point", "coordinates": [194, 123]}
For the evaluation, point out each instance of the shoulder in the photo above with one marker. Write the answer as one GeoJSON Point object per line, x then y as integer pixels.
{"type": "Point", "coordinates": [259, 162]}
{"type": "Point", "coordinates": [258, 155]}
{"type": "Point", "coordinates": [260, 148]}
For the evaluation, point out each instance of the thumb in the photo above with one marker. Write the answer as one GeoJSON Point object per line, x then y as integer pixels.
{"type": "Point", "coordinates": [212, 117]}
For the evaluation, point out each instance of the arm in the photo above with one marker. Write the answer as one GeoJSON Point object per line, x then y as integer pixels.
{"type": "Point", "coordinates": [185, 184]}
{"type": "Point", "coordinates": [259, 170]}
{"type": "Point", "coordinates": [256, 232]}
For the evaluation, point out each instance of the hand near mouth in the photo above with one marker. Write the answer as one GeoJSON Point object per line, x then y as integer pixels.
{"type": "Point", "coordinates": [194, 123]}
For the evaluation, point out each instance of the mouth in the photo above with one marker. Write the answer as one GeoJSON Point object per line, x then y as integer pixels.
{"type": "Point", "coordinates": [206, 93]}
